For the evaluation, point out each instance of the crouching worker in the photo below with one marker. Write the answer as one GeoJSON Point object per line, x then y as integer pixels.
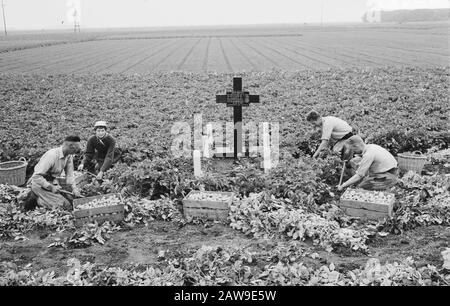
{"type": "Point", "coordinates": [335, 132]}
{"type": "Point", "coordinates": [101, 152]}
{"type": "Point", "coordinates": [44, 187]}
{"type": "Point", "coordinates": [376, 168]}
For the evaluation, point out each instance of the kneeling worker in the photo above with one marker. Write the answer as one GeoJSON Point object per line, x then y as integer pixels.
{"type": "Point", "coordinates": [333, 129]}
{"type": "Point", "coordinates": [377, 167]}
{"type": "Point", "coordinates": [100, 148]}
{"type": "Point", "coordinates": [43, 181]}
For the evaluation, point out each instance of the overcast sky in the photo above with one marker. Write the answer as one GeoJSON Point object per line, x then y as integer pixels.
{"type": "Point", "coordinates": [46, 14]}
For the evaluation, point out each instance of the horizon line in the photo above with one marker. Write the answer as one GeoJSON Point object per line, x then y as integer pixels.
{"type": "Point", "coordinates": [70, 28]}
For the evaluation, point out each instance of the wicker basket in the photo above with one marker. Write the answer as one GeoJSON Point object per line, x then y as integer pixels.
{"type": "Point", "coordinates": [13, 172]}
{"type": "Point", "coordinates": [411, 161]}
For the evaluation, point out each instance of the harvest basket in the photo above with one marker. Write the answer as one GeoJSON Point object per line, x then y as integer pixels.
{"type": "Point", "coordinates": [114, 213]}
{"type": "Point", "coordinates": [411, 161]}
{"type": "Point", "coordinates": [13, 172]}
{"type": "Point", "coordinates": [207, 208]}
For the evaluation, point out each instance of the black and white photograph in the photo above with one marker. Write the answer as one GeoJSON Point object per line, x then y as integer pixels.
{"type": "Point", "coordinates": [224, 151]}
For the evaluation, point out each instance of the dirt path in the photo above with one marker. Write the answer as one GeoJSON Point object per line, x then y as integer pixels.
{"type": "Point", "coordinates": [142, 245]}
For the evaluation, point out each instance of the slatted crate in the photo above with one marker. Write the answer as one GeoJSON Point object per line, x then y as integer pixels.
{"type": "Point", "coordinates": [114, 213]}
{"type": "Point", "coordinates": [367, 209]}
{"type": "Point", "coordinates": [207, 208]}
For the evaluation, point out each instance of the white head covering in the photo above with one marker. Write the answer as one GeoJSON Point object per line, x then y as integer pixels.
{"type": "Point", "coordinates": [100, 124]}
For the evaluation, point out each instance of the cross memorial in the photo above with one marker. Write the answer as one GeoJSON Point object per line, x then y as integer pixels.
{"type": "Point", "coordinates": [236, 99]}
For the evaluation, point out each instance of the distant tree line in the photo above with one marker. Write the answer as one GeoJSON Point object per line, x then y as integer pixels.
{"type": "Point", "coordinates": [407, 15]}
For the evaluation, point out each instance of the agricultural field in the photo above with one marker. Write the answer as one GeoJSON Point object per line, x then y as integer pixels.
{"type": "Point", "coordinates": [232, 50]}
{"type": "Point", "coordinates": [285, 226]}
{"type": "Point", "coordinates": [24, 40]}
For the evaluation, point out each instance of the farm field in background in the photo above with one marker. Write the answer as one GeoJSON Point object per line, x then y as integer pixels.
{"type": "Point", "coordinates": [285, 227]}
{"type": "Point", "coordinates": [231, 50]}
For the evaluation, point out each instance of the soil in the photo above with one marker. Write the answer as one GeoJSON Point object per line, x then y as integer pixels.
{"type": "Point", "coordinates": [144, 245]}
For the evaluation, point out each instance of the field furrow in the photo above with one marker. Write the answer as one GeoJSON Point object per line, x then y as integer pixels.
{"type": "Point", "coordinates": [186, 57]}
{"type": "Point", "coordinates": [277, 51]}
{"type": "Point", "coordinates": [405, 57]}
{"type": "Point", "coordinates": [124, 55]}
{"type": "Point", "coordinates": [96, 62]}
{"type": "Point", "coordinates": [195, 61]}
{"type": "Point", "coordinates": [422, 45]}
{"type": "Point", "coordinates": [233, 49]}
{"type": "Point", "coordinates": [262, 61]}
{"type": "Point", "coordinates": [147, 49]}
{"type": "Point", "coordinates": [417, 51]}
{"type": "Point", "coordinates": [329, 55]}
{"type": "Point", "coordinates": [227, 61]}
{"type": "Point", "coordinates": [143, 61]}
{"type": "Point", "coordinates": [29, 59]}
{"type": "Point", "coordinates": [159, 58]}
{"type": "Point", "coordinates": [380, 55]}
{"type": "Point", "coordinates": [239, 50]}
{"type": "Point", "coordinates": [237, 60]}
{"type": "Point", "coordinates": [412, 40]}
{"type": "Point", "coordinates": [308, 55]}
{"type": "Point", "coordinates": [348, 56]}
{"type": "Point", "coordinates": [172, 61]}
{"type": "Point", "coordinates": [216, 61]}
{"type": "Point", "coordinates": [369, 56]}
{"type": "Point", "coordinates": [139, 49]}
{"type": "Point", "coordinates": [19, 58]}
{"type": "Point", "coordinates": [76, 62]}
{"type": "Point", "coordinates": [206, 58]}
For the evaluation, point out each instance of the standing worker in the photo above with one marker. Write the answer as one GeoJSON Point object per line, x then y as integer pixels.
{"type": "Point", "coordinates": [334, 130]}
{"type": "Point", "coordinates": [101, 152]}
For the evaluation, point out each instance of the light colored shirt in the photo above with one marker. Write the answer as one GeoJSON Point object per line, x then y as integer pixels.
{"type": "Point", "coordinates": [375, 159]}
{"type": "Point", "coordinates": [53, 163]}
{"type": "Point", "coordinates": [335, 128]}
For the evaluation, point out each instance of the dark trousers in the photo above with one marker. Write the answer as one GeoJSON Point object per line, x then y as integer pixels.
{"type": "Point", "coordinates": [380, 181]}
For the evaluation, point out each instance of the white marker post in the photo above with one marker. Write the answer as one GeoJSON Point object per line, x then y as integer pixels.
{"type": "Point", "coordinates": [250, 131]}
{"type": "Point", "coordinates": [208, 141]}
{"type": "Point", "coordinates": [197, 164]}
{"type": "Point", "coordinates": [267, 164]}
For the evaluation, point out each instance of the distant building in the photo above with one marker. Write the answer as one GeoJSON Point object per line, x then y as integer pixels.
{"type": "Point", "coordinates": [407, 15]}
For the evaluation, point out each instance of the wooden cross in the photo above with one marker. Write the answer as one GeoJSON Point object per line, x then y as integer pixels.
{"type": "Point", "coordinates": [236, 99]}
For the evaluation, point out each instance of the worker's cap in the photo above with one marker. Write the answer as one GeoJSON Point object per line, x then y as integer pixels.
{"type": "Point", "coordinates": [100, 124]}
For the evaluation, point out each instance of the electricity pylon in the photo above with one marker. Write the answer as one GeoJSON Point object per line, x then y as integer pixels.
{"type": "Point", "coordinates": [4, 19]}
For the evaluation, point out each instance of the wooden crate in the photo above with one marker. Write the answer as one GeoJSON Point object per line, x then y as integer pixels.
{"type": "Point", "coordinates": [368, 210]}
{"type": "Point", "coordinates": [115, 213]}
{"type": "Point", "coordinates": [207, 209]}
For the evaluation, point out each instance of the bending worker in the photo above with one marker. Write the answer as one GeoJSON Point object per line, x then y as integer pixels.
{"type": "Point", "coordinates": [333, 130]}
{"type": "Point", "coordinates": [43, 182]}
{"type": "Point", "coordinates": [377, 168]}
{"type": "Point", "coordinates": [100, 153]}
